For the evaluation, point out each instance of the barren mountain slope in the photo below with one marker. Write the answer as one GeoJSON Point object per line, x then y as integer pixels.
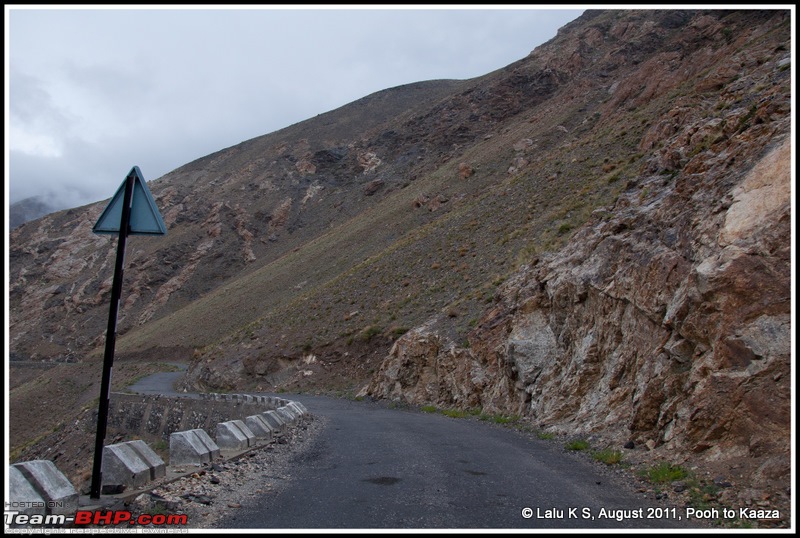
{"type": "Point", "coordinates": [665, 320]}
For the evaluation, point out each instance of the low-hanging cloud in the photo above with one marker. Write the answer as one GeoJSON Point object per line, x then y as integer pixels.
{"type": "Point", "coordinates": [93, 92]}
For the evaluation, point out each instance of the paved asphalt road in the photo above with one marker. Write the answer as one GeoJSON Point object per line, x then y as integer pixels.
{"type": "Point", "coordinates": [373, 467]}
{"type": "Point", "coordinates": [379, 468]}
{"type": "Point", "coordinates": [161, 383]}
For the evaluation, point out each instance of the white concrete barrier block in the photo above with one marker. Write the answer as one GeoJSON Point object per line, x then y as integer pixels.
{"type": "Point", "coordinates": [274, 419]}
{"type": "Point", "coordinates": [153, 461]}
{"type": "Point", "coordinates": [22, 496]}
{"type": "Point", "coordinates": [51, 484]}
{"type": "Point", "coordinates": [287, 413]}
{"type": "Point", "coordinates": [191, 447]}
{"type": "Point", "coordinates": [231, 437]}
{"type": "Point", "coordinates": [296, 407]}
{"type": "Point", "coordinates": [122, 466]}
{"type": "Point", "coordinates": [302, 407]}
{"type": "Point", "coordinates": [206, 439]}
{"type": "Point", "coordinates": [247, 432]}
{"type": "Point", "coordinates": [259, 426]}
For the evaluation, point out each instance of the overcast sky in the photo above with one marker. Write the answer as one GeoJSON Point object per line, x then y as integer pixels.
{"type": "Point", "coordinates": [92, 92]}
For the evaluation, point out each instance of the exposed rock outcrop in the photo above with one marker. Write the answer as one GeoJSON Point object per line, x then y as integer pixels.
{"type": "Point", "coordinates": [665, 319]}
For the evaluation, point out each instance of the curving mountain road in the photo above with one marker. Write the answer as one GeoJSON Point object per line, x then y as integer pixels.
{"type": "Point", "coordinates": [379, 468]}
{"type": "Point", "coordinates": [162, 383]}
{"type": "Point", "coordinates": [374, 467]}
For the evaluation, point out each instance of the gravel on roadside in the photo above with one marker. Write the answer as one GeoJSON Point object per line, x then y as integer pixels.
{"type": "Point", "coordinates": [218, 489]}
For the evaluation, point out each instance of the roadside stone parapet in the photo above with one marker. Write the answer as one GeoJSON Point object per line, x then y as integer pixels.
{"type": "Point", "coordinates": [156, 417]}
{"type": "Point", "coordinates": [39, 488]}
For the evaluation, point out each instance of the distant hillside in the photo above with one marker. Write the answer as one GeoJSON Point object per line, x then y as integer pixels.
{"type": "Point", "coordinates": [28, 209]}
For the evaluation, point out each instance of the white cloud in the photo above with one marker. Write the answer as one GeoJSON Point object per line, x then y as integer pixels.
{"type": "Point", "coordinates": [94, 91]}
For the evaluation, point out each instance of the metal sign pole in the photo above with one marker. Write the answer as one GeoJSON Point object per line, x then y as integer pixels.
{"type": "Point", "coordinates": [111, 336]}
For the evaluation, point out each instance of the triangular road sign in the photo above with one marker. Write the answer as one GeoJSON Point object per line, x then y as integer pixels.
{"type": "Point", "coordinates": [132, 210]}
{"type": "Point", "coordinates": [145, 218]}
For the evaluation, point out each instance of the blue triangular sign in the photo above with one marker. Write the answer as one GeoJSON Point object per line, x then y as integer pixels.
{"type": "Point", "coordinates": [145, 218]}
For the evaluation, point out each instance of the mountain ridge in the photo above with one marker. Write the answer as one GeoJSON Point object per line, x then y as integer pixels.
{"type": "Point", "coordinates": [28, 209]}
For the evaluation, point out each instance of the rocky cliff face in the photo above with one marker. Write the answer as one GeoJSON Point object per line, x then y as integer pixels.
{"type": "Point", "coordinates": [666, 319]}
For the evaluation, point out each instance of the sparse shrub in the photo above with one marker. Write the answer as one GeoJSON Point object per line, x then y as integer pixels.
{"type": "Point", "coordinates": [664, 472]}
{"type": "Point", "coordinates": [546, 436]}
{"type": "Point", "coordinates": [700, 494]}
{"type": "Point", "coordinates": [371, 331]}
{"type": "Point", "coordinates": [744, 121]}
{"type": "Point", "coordinates": [499, 419]}
{"type": "Point", "coordinates": [727, 34]}
{"type": "Point", "coordinates": [608, 456]}
{"type": "Point", "coordinates": [579, 444]}
{"type": "Point", "coordinates": [740, 524]}
{"type": "Point", "coordinates": [455, 413]}
{"type": "Point", "coordinates": [505, 419]}
{"type": "Point", "coordinates": [428, 409]}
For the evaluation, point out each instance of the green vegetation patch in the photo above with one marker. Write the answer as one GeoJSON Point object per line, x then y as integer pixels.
{"type": "Point", "coordinates": [608, 456]}
{"type": "Point", "coordinates": [579, 444]}
{"type": "Point", "coordinates": [499, 419]}
{"type": "Point", "coordinates": [455, 413]}
{"type": "Point", "coordinates": [664, 472]}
